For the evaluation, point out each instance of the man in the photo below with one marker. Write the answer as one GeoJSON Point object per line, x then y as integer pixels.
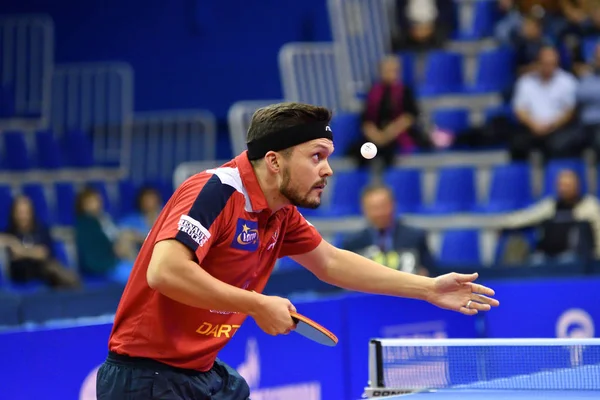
{"type": "Point", "coordinates": [387, 240]}
{"type": "Point", "coordinates": [203, 267]}
{"type": "Point", "coordinates": [562, 219]}
{"type": "Point", "coordinates": [544, 104]}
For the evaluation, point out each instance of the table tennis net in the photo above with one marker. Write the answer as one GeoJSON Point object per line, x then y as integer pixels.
{"type": "Point", "coordinates": [408, 365]}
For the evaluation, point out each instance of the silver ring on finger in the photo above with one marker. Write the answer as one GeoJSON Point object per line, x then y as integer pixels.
{"type": "Point", "coordinates": [468, 303]}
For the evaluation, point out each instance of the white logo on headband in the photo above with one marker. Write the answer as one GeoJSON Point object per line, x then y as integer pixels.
{"type": "Point", "coordinates": [327, 128]}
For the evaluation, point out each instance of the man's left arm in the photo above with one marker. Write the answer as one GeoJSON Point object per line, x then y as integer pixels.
{"type": "Point", "coordinates": [351, 271]}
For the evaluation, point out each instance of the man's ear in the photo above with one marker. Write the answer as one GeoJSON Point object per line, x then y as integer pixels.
{"type": "Point", "coordinates": [272, 161]}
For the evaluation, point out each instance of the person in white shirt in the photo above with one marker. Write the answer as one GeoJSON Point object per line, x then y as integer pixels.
{"type": "Point", "coordinates": [544, 104]}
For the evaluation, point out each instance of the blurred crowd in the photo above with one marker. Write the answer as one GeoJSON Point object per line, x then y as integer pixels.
{"type": "Point", "coordinates": [554, 105]}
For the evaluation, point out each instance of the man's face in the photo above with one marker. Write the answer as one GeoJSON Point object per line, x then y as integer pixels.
{"type": "Point", "coordinates": [390, 70]}
{"type": "Point", "coordinates": [568, 185]}
{"type": "Point", "coordinates": [305, 173]}
{"type": "Point", "coordinates": [548, 62]}
{"type": "Point", "coordinates": [378, 208]}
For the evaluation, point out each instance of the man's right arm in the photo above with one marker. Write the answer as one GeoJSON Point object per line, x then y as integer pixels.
{"type": "Point", "coordinates": [192, 225]}
{"type": "Point", "coordinates": [173, 273]}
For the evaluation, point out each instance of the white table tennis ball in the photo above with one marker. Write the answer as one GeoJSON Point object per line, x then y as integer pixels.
{"type": "Point", "coordinates": [368, 150]}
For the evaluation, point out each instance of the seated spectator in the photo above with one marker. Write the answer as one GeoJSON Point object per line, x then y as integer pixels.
{"type": "Point", "coordinates": [148, 206]}
{"type": "Point", "coordinates": [528, 43]}
{"type": "Point", "coordinates": [30, 249]}
{"type": "Point", "coordinates": [575, 38]}
{"type": "Point", "coordinates": [387, 240]}
{"type": "Point", "coordinates": [390, 116]}
{"type": "Point", "coordinates": [507, 28]}
{"type": "Point", "coordinates": [558, 219]}
{"type": "Point", "coordinates": [103, 249]}
{"type": "Point", "coordinates": [423, 24]}
{"type": "Point", "coordinates": [550, 12]}
{"type": "Point", "coordinates": [544, 103]}
{"type": "Point", "coordinates": [588, 98]}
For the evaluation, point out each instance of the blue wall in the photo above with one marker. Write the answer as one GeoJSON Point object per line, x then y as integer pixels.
{"type": "Point", "coordinates": [191, 53]}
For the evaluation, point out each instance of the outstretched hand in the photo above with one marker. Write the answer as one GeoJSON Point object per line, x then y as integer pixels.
{"type": "Point", "coordinates": [458, 292]}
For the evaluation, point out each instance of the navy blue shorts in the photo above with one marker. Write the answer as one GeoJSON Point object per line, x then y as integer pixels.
{"type": "Point", "coordinates": [128, 378]}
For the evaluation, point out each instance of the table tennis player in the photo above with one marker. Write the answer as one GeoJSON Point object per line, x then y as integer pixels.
{"type": "Point", "coordinates": [209, 255]}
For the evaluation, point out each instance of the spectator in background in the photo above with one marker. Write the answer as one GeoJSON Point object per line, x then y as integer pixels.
{"type": "Point", "coordinates": [389, 117]}
{"type": "Point", "coordinates": [507, 28]}
{"type": "Point", "coordinates": [148, 205]}
{"type": "Point", "coordinates": [528, 43]}
{"type": "Point", "coordinates": [31, 251]}
{"type": "Point", "coordinates": [558, 220]}
{"type": "Point", "coordinates": [103, 249]}
{"type": "Point", "coordinates": [387, 240]}
{"type": "Point", "coordinates": [544, 103]}
{"type": "Point", "coordinates": [576, 36]}
{"type": "Point", "coordinates": [423, 24]}
{"type": "Point", "coordinates": [588, 97]}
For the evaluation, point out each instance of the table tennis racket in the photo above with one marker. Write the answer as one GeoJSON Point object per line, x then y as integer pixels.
{"type": "Point", "coordinates": [312, 330]}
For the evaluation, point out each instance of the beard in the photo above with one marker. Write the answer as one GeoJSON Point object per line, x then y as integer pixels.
{"type": "Point", "coordinates": [295, 196]}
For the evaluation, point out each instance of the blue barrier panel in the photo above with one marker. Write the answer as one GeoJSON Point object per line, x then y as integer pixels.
{"type": "Point", "coordinates": [51, 364]}
{"type": "Point", "coordinates": [566, 307]}
{"type": "Point", "coordinates": [291, 367]}
{"type": "Point", "coordinates": [379, 316]}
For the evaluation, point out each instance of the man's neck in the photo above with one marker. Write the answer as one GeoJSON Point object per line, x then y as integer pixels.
{"type": "Point", "coordinates": [270, 188]}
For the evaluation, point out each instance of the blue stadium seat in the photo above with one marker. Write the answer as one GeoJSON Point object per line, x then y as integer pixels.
{"type": "Point", "coordinates": [443, 74]}
{"type": "Point", "coordinates": [407, 187]}
{"type": "Point", "coordinates": [61, 254]}
{"type": "Point", "coordinates": [16, 153]}
{"type": "Point", "coordinates": [510, 188]}
{"type": "Point", "coordinates": [7, 101]}
{"type": "Point", "coordinates": [78, 149]}
{"type": "Point", "coordinates": [5, 203]}
{"type": "Point", "coordinates": [345, 196]}
{"type": "Point", "coordinates": [495, 71]}
{"type": "Point", "coordinates": [127, 196]}
{"type": "Point", "coordinates": [35, 191]}
{"type": "Point", "coordinates": [553, 169]}
{"type": "Point", "coordinates": [286, 264]}
{"type": "Point", "coordinates": [65, 203]}
{"type": "Point", "coordinates": [346, 131]}
{"type": "Point", "coordinates": [48, 151]}
{"type": "Point", "coordinates": [455, 120]}
{"type": "Point", "coordinates": [485, 16]}
{"type": "Point", "coordinates": [460, 247]}
{"type": "Point", "coordinates": [455, 191]}
{"type": "Point", "coordinates": [408, 68]}
{"type": "Point", "coordinates": [589, 48]}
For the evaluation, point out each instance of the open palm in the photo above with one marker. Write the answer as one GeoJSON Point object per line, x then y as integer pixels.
{"type": "Point", "coordinates": [458, 292]}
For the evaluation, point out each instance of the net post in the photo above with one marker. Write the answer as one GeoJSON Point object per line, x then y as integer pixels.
{"type": "Point", "coordinates": [375, 364]}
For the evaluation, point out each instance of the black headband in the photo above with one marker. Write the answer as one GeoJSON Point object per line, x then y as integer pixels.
{"type": "Point", "coordinates": [287, 138]}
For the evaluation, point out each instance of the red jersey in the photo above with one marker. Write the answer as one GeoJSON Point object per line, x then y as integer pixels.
{"type": "Point", "coordinates": [221, 215]}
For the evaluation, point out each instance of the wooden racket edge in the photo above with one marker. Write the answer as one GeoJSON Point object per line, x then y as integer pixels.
{"type": "Point", "coordinates": [316, 325]}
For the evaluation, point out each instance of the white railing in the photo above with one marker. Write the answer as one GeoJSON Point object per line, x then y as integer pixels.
{"type": "Point", "coordinates": [163, 140]}
{"type": "Point", "coordinates": [309, 75]}
{"type": "Point", "coordinates": [362, 35]}
{"type": "Point", "coordinates": [27, 59]}
{"type": "Point", "coordinates": [238, 119]}
{"type": "Point", "coordinates": [97, 99]}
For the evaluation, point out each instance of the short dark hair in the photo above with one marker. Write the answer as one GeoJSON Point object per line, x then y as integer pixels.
{"type": "Point", "coordinates": [376, 186]}
{"type": "Point", "coordinates": [86, 193]}
{"type": "Point", "coordinates": [276, 117]}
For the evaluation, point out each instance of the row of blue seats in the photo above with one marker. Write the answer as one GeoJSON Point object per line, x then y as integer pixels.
{"type": "Point", "coordinates": [510, 189]}
{"type": "Point", "coordinates": [458, 247]}
{"type": "Point", "coordinates": [456, 190]}
{"type": "Point", "coordinates": [55, 204]}
{"type": "Point", "coordinates": [445, 71]}
{"type": "Point", "coordinates": [75, 149]}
